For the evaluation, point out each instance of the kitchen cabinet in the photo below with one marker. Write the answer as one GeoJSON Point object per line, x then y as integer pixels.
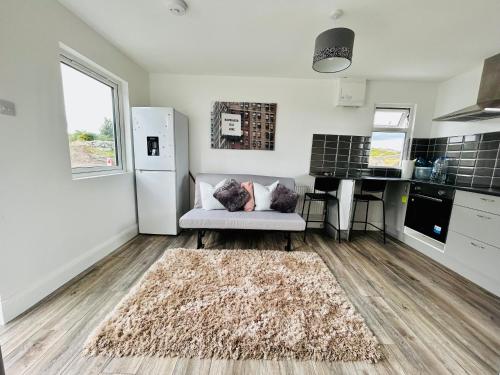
{"type": "Point", "coordinates": [473, 244]}
{"type": "Point", "coordinates": [481, 202]}
{"type": "Point", "coordinates": [475, 260]}
{"type": "Point", "coordinates": [480, 225]}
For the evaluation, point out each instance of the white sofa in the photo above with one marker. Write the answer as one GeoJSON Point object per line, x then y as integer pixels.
{"type": "Point", "coordinates": [202, 220]}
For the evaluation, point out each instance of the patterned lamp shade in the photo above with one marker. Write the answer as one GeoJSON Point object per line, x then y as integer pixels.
{"type": "Point", "coordinates": [333, 50]}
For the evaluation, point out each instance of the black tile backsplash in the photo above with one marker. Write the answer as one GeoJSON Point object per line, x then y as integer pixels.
{"type": "Point", "coordinates": [345, 156]}
{"type": "Point", "coordinates": [473, 160]}
{"type": "Point", "coordinates": [491, 136]}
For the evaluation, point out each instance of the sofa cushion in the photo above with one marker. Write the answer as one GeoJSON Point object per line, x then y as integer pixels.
{"type": "Point", "coordinates": [198, 218]}
{"type": "Point", "coordinates": [284, 199]}
{"type": "Point", "coordinates": [208, 201]}
{"type": "Point", "coordinates": [232, 195]}
{"type": "Point", "coordinates": [214, 178]}
{"type": "Point", "coordinates": [250, 205]}
{"type": "Point", "coordinates": [263, 196]}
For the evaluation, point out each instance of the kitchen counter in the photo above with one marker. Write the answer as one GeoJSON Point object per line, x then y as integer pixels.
{"type": "Point", "coordinates": [388, 179]}
{"type": "Point", "coordinates": [472, 189]}
{"type": "Point", "coordinates": [359, 178]}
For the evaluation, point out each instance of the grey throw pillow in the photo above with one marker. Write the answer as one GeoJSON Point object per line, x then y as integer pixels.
{"type": "Point", "coordinates": [232, 196]}
{"type": "Point", "coordinates": [284, 200]}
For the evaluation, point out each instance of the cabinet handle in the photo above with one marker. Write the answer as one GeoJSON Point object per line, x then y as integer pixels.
{"type": "Point", "coordinates": [428, 198]}
{"type": "Point", "coordinates": [484, 217]}
{"type": "Point", "coordinates": [476, 245]}
{"type": "Point", "coordinates": [487, 200]}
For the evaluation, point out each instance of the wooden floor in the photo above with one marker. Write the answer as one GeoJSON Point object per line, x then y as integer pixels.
{"type": "Point", "coordinates": [428, 319]}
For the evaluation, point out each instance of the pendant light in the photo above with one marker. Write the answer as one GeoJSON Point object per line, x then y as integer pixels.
{"type": "Point", "coordinates": [333, 48]}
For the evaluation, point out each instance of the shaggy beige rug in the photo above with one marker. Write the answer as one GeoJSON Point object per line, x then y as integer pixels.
{"type": "Point", "coordinates": [236, 304]}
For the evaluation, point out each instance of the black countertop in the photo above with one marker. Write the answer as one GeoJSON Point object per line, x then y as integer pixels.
{"type": "Point", "coordinates": [472, 189]}
{"type": "Point", "coordinates": [359, 178]}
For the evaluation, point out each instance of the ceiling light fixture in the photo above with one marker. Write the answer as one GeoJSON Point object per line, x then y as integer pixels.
{"type": "Point", "coordinates": [333, 48]}
{"type": "Point", "coordinates": [177, 7]}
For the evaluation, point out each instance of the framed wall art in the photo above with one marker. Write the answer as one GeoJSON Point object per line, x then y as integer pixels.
{"type": "Point", "coordinates": [243, 125]}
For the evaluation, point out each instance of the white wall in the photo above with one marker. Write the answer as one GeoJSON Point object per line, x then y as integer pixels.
{"type": "Point", "coordinates": [457, 93]}
{"type": "Point", "coordinates": [52, 227]}
{"type": "Point", "coordinates": [305, 106]}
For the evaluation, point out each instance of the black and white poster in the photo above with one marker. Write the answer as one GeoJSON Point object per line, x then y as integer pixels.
{"type": "Point", "coordinates": [243, 125]}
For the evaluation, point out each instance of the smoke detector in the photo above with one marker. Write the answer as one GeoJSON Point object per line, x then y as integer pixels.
{"type": "Point", "coordinates": [177, 7]}
{"type": "Point", "coordinates": [336, 14]}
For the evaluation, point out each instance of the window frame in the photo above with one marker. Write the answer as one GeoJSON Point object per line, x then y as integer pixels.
{"type": "Point", "coordinates": [405, 152]}
{"type": "Point", "coordinates": [392, 128]}
{"type": "Point", "coordinates": [97, 73]}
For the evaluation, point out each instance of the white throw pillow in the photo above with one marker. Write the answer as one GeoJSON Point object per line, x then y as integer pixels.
{"type": "Point", "coordinates": [263, 195]}
{"type": "Point", "coordinates": [208, 202]}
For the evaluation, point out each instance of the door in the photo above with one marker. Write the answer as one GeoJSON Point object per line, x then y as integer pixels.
{"type": "Point", "coordinates": [156, 202]}
{"type": "Point", "coordinates": [153, 130]}
{"type": "Point", "coordinates": [429, 216]}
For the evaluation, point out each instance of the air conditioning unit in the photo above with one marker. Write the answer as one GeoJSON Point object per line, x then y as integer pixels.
{"type": "Point", "coordinates": [350, 92]}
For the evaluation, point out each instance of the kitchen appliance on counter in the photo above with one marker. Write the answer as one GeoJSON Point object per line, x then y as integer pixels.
{"type": "Point", "coordinates": [429, 209]}
{"type": "Point", "coordinates": [423, 169]}
{"type": "Point", "coordinates": [439, 170]}
{"type": "Point", "coordinates": [161, 168]}
{"type": "Point", "coordinates": [423, 173]}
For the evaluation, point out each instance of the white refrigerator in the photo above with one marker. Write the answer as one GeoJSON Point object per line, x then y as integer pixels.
{"type": "Point", "coordinates": [161, 168]}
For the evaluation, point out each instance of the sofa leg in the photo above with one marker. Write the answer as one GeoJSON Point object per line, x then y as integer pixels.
{"type": "Point", "coordinates": [288, 236]}
{"type": "Point", "coordinates": [200, 240]}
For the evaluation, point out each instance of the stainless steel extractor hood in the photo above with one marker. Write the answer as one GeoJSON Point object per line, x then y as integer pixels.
{"type": "Point", "coordinates": [488, 99]}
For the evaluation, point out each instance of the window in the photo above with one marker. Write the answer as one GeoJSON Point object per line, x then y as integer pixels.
{"type": "Point", "coordinates": [390, 136]}
{"type": "Point", "coordinates": [94, 122]}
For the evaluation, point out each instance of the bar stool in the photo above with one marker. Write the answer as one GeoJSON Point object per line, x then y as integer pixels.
{"type": "Point", "coordinates": [324, 185]}
{"type": "Point", "coordinates": [368, 189]}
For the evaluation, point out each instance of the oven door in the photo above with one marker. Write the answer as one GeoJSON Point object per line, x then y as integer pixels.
{"type": "Point", "coordinates": [429, 215]}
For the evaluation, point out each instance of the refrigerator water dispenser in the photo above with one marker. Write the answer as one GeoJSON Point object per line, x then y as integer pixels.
{"type": "Point", "coordinates": [153, 146]}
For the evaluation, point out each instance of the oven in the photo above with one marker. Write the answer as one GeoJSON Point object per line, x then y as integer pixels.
{"type": "Point", "coordinates": [429, 209]}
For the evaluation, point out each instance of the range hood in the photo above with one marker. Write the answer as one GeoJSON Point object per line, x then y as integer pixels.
{"type": "Point", "coordinates": [488, 99]}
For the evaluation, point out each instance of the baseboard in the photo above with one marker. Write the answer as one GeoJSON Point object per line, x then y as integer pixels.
{"type": "Point", "coordinates": [22, 300]}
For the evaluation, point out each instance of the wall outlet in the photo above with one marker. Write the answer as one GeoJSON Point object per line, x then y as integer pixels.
{"type": "Point", "coordinates": [7, 108]}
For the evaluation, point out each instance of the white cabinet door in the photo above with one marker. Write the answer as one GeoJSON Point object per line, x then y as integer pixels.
{"type": "Point", "coordinates": [487, 203]}
{"type": "Point", "coordinates": [156, 202]}
{"type": "Point", "coordinates": [476, 224]}
{"type": "Point", "coordinates": [475, 260]}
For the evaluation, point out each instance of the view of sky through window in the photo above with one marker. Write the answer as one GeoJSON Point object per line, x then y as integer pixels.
{"type": "Point", "coordinates": [90, 119]}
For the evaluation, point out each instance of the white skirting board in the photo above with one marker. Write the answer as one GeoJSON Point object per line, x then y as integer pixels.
{"type": "Point", "coordinates": [21, 301]}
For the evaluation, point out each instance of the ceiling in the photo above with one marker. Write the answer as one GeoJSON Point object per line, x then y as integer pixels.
{"type": "Point", "coordinates": [395, 39]}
